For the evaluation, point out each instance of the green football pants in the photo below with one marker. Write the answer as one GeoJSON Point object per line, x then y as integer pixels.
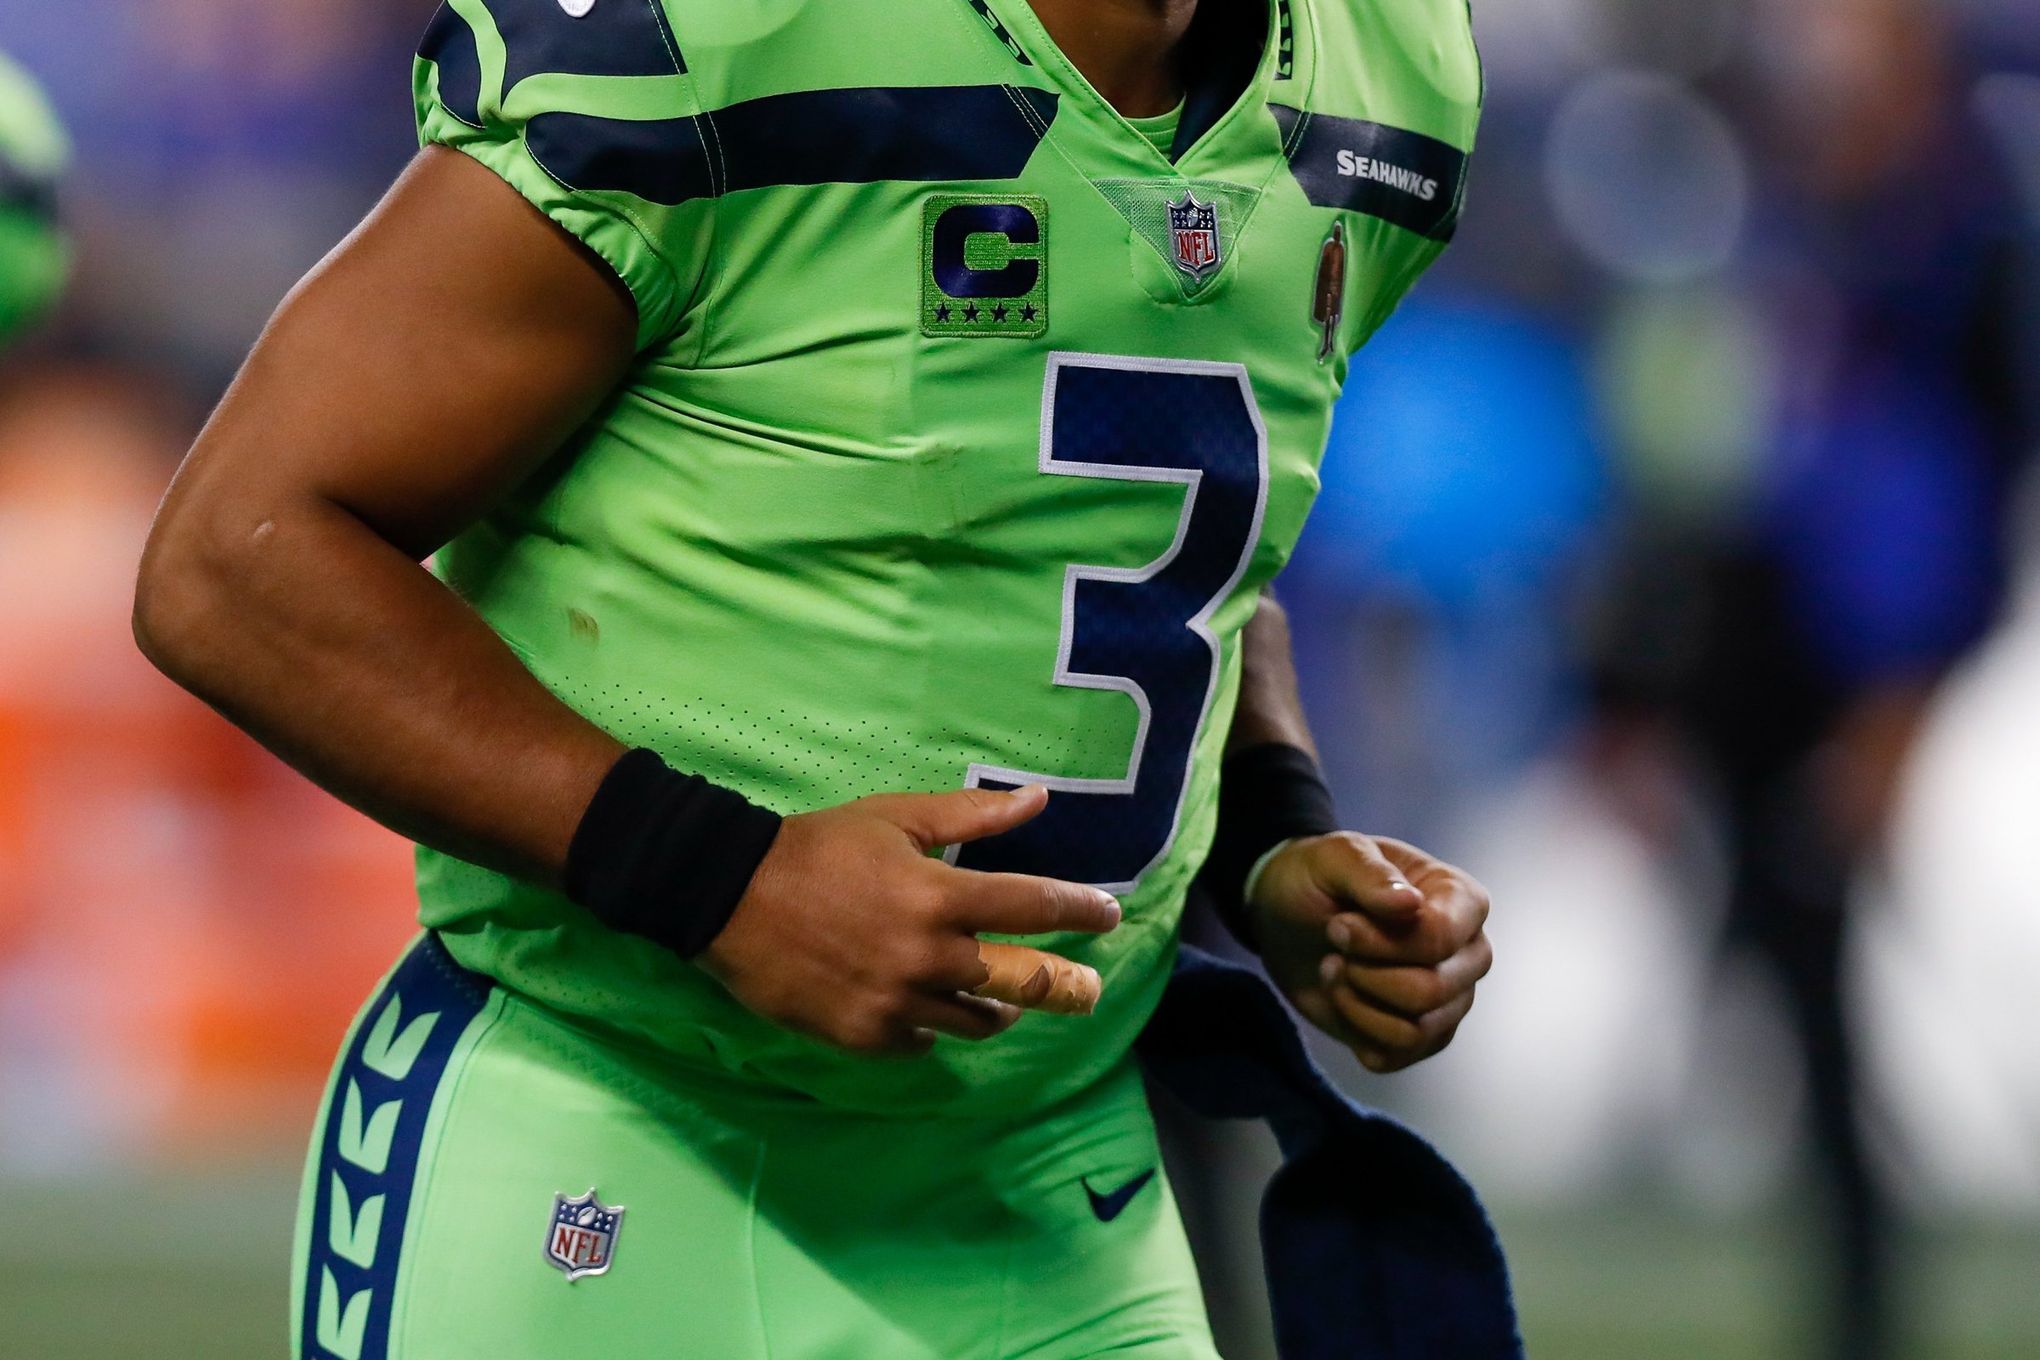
{"type": "Point", "coordinates": [491, 1182]}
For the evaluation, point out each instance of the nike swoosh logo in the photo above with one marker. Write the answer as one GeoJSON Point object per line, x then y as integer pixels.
{"type": "Point", "coordinates": [1110, 1206]}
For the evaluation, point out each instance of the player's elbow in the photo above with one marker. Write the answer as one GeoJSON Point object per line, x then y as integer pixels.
{"type": "Point", "coordinates": [198, 559]}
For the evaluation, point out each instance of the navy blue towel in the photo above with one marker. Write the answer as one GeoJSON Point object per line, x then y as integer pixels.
{"type": "Point", "coordinates": [1375, 1247]}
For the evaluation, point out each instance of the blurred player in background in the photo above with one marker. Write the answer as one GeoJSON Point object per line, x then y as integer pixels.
{"type": "Point", "coordinates": [34, 255]}
{"type": "Point", "coordinates": [1789, 650]}
{"type": "Point", "coordinates": [813, 408]}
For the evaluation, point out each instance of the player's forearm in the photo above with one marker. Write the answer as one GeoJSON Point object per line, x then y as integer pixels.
{"type": "Point", "coordinates": [1271, 704]}
{"type": "Point", "coordinates": [349, 660]}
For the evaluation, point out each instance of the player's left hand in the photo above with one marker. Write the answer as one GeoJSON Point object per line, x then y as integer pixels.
{"type": "Point", "coordinates": [1376, 943]}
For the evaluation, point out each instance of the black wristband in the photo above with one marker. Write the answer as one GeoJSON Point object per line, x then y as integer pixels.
{"type": "Point", "coordinates": [1266, 795]}
{"type": "Point", "coordinates": [666, 855]}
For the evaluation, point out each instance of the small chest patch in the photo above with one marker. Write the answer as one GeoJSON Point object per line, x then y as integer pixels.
{"type": "Point", "coordinates": [581, 1239]}
{"type": "Point", "coordinates": [984, 265]}
{"type": "Point", "coordinates": [1193, 228]}
{"type": "Point", "coordinates": [1186, 234]}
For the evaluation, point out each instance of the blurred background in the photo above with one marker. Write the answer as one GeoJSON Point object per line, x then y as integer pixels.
{"type": "Point", "coordinates": [1683, 580]}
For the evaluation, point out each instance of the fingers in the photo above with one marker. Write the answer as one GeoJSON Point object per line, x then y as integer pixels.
{"type": "Point", "coordinates": [1034, 980]}
{"type": "Point", "coordinates": [935, 819]}
{"type": "Point", "coordinates": [963, 1015]}
{"type": "Point", "coordinates": [1021, 904]}
{"type": "Point", "coordinates": [1413, 990]}
{"type": "Point", "coordinates": [1386, 1042]}
{"type": "Point", "coordinates": [1445, 888]}
{"type": "Point", "coordinates": [910, 1031]}
{"type": "Point", "coordinates": [1352, 868]}
{"type": "Point", "coordinates": [1454, 910]}
{"type": "Point", "coordinates": [906, 1025]}
{"type": "Point", "coordinates": [1395, 1015]}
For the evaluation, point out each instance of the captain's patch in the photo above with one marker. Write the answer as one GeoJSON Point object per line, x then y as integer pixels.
{"type": "Point", "coordinates": [984, 265]}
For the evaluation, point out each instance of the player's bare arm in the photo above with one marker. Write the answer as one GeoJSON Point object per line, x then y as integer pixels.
{"type": "Point", "coordinates": [1377, 943]}
{"type": "Point", "coordinates": [398, 390]}
{"type": "Point", "coordinates": [431, 363]}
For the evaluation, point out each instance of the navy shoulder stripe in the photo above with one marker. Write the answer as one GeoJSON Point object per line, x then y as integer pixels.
{"type": "Point", "coordinates": [660, 160]}
{"type": "Point", "coordinates": [928, 134]}
{"type": "Point", "coordinates": [860, 136]}
{"type": "Point", "coordinates": [1399, 176]}
{"type": "Point", "coordinates": [449, 44]}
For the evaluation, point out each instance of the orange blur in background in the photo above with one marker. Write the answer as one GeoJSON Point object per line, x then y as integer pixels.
{"type": "Point", "coordinates": [185, 925]}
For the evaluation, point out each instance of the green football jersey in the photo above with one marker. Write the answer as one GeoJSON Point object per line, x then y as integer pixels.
{"type": "Point", "coordinates": [966, 426]}
{"type": "Point", "coordinates": [34, 256]}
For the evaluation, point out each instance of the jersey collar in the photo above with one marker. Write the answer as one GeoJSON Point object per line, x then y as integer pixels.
{"type": "Point", "coordinates": [1226, 91]}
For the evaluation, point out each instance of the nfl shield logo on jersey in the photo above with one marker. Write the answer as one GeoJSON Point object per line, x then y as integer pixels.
{"type": "Point", "coordinates": [581, 1239]}
{"type": "Point", "coordinates": [1195, 228]}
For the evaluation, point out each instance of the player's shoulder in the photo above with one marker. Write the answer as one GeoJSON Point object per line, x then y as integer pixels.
{"type": "Point", "coordinates": [724, 51]}
{"type": "Point", "coordinates": [756, 49]}
{"type": "Point", "coordinates": [485, 50]}
{"type": "Point", "coordinates": [1413, 63]}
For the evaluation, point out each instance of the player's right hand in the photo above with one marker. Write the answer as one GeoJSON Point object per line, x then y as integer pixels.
{"type": "Point", "coordinates": [850, 932]}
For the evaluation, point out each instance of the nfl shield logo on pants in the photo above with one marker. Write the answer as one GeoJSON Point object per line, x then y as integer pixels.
{"type": "Point", "coordinates": [581, 1239]}
{"type": "Point", "coordinates": [1194, 226]}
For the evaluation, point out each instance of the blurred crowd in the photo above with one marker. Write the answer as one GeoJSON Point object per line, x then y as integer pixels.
{"type": "Point", "coordinates": [1688, 492]}
{"type": "Point", "coordinates": [185, 926]}
{"type": "Point", "coordinates": [1671, 579]}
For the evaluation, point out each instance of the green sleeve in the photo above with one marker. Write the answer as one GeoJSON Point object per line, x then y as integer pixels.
{"type": "Point", "coordinates": [508, 82]}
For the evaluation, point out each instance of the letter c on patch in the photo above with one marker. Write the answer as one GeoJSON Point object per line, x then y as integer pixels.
{"type": "Point", "coordinates": [1014, 222]}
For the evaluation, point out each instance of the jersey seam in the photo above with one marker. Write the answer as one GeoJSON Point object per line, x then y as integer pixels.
{"type": "Point", "coordinates": [708, 281]}
{"type": "Point", "coordinates": [666, 36]}
{"type": "Point", "coordinates": [622, 210]}
{"type": "Point", "coordinates": [461, 978]}
{"type": "Point", "coordinates": [1056, 55]}
{"type": "Point", "coordinates": [1295, 137]}
{"type": "Point", "coordinates": [720, 172]}
{"type": "Point", "coordinates": [980, 30]}
{"type": "Point", "coordinates": [482, 86]}
{"type": "Point", "coordinates": [439, 98]}
{"type": "Point", "coordinates": [1301, 13]}
{"type": "Point", "coordinates": [1277, 165]}
{"type": "Point", "coordinates": [1027, 113]}
{"type": "Point", "coordinates": [698, 117]}
{"type": "Point", "coordinates": [996, 26]}
{"type": "Point", "coordinates": [629, 217]}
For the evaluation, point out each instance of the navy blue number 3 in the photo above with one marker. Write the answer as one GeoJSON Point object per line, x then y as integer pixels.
{"type": "Point", "coordinates": [1145, 631]}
